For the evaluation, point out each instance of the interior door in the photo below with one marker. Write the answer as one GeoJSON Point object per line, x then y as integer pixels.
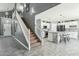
{"type": "Point", "coordinates": [7, 29]}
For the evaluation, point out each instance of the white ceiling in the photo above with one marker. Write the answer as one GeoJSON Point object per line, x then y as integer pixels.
{"type": "Point", "coordinates": [61, 12]}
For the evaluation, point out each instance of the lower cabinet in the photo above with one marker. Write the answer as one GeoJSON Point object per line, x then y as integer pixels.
{"type": "Point", "coordinates": [53, 36]}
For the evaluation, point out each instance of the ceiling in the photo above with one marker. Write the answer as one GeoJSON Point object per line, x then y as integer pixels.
{"type": "Point", "coordinates": [40, 7]}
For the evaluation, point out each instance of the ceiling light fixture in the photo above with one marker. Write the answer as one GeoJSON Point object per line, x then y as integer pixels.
{"type": "Point", "coordinates": [32, 10]}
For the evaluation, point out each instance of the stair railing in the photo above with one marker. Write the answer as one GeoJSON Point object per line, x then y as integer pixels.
{"type": "Point", "coordinates": [24, 28]}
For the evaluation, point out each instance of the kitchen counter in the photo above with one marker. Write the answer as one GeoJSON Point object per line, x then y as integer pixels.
{"type": "Point", "coordinates": [55, 36]}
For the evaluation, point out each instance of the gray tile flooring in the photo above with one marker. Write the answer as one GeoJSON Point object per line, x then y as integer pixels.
{"type": "Point", "coordinates": [8, 48]}
{"type": "Point", "coordinates": [62, 49]}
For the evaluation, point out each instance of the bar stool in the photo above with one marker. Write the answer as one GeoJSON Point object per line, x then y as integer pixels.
{"type": "Point", "coordinates": [64, 37]}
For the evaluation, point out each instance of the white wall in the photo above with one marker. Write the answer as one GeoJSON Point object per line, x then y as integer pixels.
{"type": "Point", "coordinates": [67, 10]}
{"type": "Point", "coordinates": [6, 6]}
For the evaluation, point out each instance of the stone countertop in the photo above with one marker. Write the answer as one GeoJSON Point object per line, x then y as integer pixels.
{"type": "Point", "coordinates": [61, 31]}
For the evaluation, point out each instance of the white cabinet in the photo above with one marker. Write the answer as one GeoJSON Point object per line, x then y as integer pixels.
{"type": "Point", "coordinates": [73, 35]}
{"type": "Point", "coordinates": [53, 36]}
{"type": "Point", "coordinates": [53, 27]}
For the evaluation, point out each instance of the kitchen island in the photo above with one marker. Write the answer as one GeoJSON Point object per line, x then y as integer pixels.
{"type": "Point", "coordinates": [56, 36]}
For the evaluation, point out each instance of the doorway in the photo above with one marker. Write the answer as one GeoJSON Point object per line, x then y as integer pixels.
{"type": "Point", "coordinates": [6, 26]}
{"type": "Point", "coordinates": [7, 29]}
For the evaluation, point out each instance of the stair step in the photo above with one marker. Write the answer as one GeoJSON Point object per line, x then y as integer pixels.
{"type": "Point", "coordinates": [36, 44]}
{"type": "Point", "coordinates": [32, 35]}
{"type": "Point", "coordinates": [32, 38]}
{"type": "Point", "coordinates": [31, 32]}
{"type": "Point", "coordinates": [34, 41]}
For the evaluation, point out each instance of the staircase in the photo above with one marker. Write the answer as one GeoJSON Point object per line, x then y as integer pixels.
{"type": "Point", "coordinates": [31, 38]}
{"type": "Point", "coordinates": [34, 40]}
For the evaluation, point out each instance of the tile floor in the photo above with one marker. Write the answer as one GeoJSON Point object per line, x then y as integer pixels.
{"type": "Point", "coordinates": [48, 49]}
